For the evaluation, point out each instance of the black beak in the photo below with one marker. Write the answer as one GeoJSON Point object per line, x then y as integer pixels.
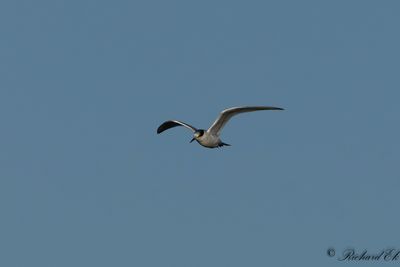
{"type": "Point", "coordinates": [192, 140]}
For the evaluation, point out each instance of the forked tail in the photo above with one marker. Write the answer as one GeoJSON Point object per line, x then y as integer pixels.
{"type": "Point", "coordinates": [223, 144]}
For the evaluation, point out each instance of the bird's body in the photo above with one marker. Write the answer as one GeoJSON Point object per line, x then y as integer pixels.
{"type": "Point", "coordinates": [211, 138]}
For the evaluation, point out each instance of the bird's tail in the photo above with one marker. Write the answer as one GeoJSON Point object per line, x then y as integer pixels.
{"type": "Point", "coordinates": [223, 144]}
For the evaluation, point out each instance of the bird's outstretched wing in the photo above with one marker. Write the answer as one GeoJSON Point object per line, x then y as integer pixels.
{"type": "Point", "coordinates": [170, 124]}
{"type": "Point", "coordinates": [226, 114]}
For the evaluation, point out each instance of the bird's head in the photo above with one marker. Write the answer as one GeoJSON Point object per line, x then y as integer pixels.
{"type": "Point", "coordinates": [197, 134]}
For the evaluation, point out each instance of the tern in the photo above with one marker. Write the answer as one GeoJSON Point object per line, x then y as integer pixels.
{"type": "Point", "coordinates": [210, 138]}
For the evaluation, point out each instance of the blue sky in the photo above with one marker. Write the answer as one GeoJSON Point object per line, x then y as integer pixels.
{"type": "Point", "coordinates": [86, 181]}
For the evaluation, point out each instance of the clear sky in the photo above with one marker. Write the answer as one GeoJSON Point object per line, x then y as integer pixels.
{"type": "Point", "coordinates": [86, 181]}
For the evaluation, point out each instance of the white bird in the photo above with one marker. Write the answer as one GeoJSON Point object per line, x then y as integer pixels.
{"type": "Point", "coordinates": [210, 138]}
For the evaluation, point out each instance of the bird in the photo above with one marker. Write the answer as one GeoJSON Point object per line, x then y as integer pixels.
{"type": "Point", "coordinates": [211, 138]}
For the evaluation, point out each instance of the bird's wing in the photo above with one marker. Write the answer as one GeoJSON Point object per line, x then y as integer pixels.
{"type": "Point", "coordinates": [170, 124]}
{"type": "Point", "coordinates": [226, 114]}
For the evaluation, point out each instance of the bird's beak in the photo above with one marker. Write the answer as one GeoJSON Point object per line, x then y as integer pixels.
{"type": "Point", "coordinates": [192, 140]}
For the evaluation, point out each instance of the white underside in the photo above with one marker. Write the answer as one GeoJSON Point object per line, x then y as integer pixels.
{"type": "Point", "coordinates": [208, 140]}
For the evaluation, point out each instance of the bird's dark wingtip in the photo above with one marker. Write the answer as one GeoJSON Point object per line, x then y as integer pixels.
{"type": "Point", "coordinates": [161, 128]}
{"type": "Point", "coordinates": [167, 125]}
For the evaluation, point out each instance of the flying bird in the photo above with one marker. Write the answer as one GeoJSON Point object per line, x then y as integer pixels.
{"type": "Point", "coordinates": [210, 138]}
